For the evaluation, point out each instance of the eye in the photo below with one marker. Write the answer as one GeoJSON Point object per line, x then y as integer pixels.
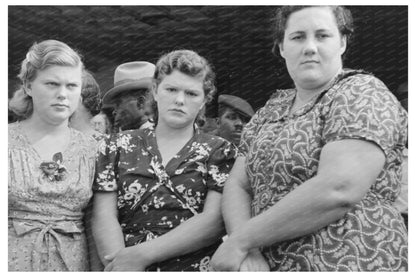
{"type": "Point", "coordinates": [322, 36]}
{"type": "Point", "coordinates": [171, 89]}
{"type": "Point", "coordinates": [191, 93]}
{"type": "Point", "coordinates": [52, 84]}
{"type": "Point", "coordinates": [72, 86]}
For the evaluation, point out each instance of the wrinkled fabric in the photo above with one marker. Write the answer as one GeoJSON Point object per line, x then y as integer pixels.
{"type": "Point", "coordinates": [152, 198]}
{"type": "Point", "coordinates": [46, 232]}
{"type": "Point", "coordinates": [282, 151]}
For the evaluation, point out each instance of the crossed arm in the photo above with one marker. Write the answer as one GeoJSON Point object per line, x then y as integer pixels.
{"type": "Point", "coordinates": [347, 169]}
{"type": "Point", "coordinates": [197, 232]}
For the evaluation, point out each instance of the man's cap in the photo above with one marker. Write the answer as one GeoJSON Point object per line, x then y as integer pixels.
{"type": "Point", "coordinates": [129, 76]}
{"type": "Point", "coordinates": [236, 103]}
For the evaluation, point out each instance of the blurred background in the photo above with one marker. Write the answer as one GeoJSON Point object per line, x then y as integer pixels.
{"type": "Point", "coordinates": [237, 40]}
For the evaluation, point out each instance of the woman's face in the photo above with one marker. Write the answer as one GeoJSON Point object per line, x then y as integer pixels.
{"type": "Point", "coordinates": [312, 47]}
{"type": "Point", "coordinates": [179, 98]}
{"type": "Point", "coordinates": [55, 93]}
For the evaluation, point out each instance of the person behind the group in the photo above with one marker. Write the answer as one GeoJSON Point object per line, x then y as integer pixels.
{"type": "Point", "coordinates": [101, 123]}
{"type": "Point", "coordinates": [319, 166]}
{"type": "Point", "coordinates": [158, 190]}
{"type": "Point", "coordinates": [89, 106]}
{"type": "Point", "coordinates": [51, 166]}
{"type": "Point", "coordinates": [233, 114]}
{"type": "Point", "coordinates": [132, 81]}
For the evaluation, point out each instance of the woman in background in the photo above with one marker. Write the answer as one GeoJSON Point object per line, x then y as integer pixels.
{"type": "Point", "coordinates": [51, 165]}
{"type": "Point", "coordinates": [158, 190]}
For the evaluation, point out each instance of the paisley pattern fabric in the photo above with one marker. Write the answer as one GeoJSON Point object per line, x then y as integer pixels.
{"type": "Point", "coordinates": [154, 199]}
{"type": "Point", "coordinates": [46, 232]}
{"type": "Point", "coordinates": [282, 151]}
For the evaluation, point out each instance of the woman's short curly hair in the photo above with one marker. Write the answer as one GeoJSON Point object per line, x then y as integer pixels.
{"type": "Point", "coordinates": [90, 93]}
{"type": "Point", "coordinates": [39, 57]}
{"type": "Point", "coordinates": [342, 15]}
{"type": "Point", "coordinates": [189, 63]}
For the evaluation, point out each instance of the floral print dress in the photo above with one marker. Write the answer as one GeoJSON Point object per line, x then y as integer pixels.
{"type": "Point", "coordinates": [154, 199]}
{"type": "Point", "coordinates": [282, 151]}
{"type": "Point", "coordinates": [46, 204]}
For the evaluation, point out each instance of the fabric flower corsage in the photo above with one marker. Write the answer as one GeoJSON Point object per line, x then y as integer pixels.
{"type": "Point", "coordinates": [54, 170]}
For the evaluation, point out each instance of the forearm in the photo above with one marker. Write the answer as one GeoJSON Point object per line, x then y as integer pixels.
{"type": "Point", "coordinates": [236, 206]}
{"type": "Point", "coordinates": [304, 210]}
{"type": "Point", "coordinates": [108, 236]}
{"type": "Point", "coordinates": [236, 199]}
{"type": "Point", "coordinates": [106, 230]}
{"type": "Point", "coordinates": [197, 232]}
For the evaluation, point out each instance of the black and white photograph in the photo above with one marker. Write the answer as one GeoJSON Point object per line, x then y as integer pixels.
{"type": "Point", "coordinates": [212, 137]}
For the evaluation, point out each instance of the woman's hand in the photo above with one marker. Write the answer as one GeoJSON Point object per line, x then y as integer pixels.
{"type": "Point", "coordinates": [228, 256]}
{"type": "Point", "coordinates": [254, 261]}
{"type": "Point", "coordinates": [127, 259]}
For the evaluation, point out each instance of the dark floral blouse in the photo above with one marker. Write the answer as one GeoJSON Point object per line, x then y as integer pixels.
{"type": "Point", "coordinates": [153, 199]}
{"type": "Point", "coordinates": [282, 151]}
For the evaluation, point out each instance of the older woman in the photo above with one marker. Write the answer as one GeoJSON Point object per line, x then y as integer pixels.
{"type": "Point", "coordinates": [158, 190]}
{"type": "Point", "coordinates": [51, 166]}
{"type": "Point", "coordinates": [320, 164]}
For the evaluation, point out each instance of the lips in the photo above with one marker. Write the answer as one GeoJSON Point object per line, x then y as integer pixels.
{"type": "Point", "coordinates": [60, 105]}
{"type": "Point", "coordinates": [177, 110]}
{"type": "Point", "coordinates": [310, 61]}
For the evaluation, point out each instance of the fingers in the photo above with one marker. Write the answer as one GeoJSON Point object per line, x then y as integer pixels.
{"type": "Point", "coordinates": [109, 267]}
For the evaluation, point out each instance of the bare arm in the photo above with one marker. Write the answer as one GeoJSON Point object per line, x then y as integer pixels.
{"type": "Point", "coordinates": [236, 197]}
{"type": "Point", "coordinates": [197, 232]}
{"type": "Point", "coordinates": [346, 170]}
{"type": "Point", "coordinates": [105, 226]}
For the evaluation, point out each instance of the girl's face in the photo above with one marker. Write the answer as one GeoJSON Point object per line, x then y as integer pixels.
{"type": "Point", "coordinates": [312, 47]}
{"type": "Point", "coordinates": [179, 98]}
{"type": "Point", "coordinates": [55, 93]}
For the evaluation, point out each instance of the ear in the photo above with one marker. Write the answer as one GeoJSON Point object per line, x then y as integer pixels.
{"type": "Point", "coordinates": [281, 50]}
{"type": "Point", "coordinates": [343, 44]}
{"type": "Point", "coordinates": [154, 91]}
{"type": "Point", "coordinates": [27, 86]}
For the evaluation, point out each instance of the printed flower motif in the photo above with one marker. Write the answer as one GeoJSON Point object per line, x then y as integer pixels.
{"type": "Point", "coordinates": [54, 171]}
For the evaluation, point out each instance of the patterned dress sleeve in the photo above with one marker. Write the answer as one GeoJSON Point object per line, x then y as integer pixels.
{"type": "Point", "coordinates": [249, 132]}
{"type": "Point", "coordinates": [219, 164]}
{"type": "Point", "coordinates": [106, 162]}
{"type": "Point", "coordinates": [363, 108]}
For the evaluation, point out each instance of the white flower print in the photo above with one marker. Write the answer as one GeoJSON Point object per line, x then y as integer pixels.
{"type": "Point", "coordinates": [124, 142]}
{"type": "Point", "coordinates": [220, 178]}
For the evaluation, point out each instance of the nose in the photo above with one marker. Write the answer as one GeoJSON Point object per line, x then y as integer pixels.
{"type": "Point", "coordinates": [62, 92]}
{"type": "Point", "coordinates": [310, 47]}
{"type": "Point", "coordinates": [238, 122]}
{"type": "Point", "coordinates": [180, 98]}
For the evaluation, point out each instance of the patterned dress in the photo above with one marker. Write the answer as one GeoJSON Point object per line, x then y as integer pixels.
{"type": "Point", "coordinates": [282, 151]}
{"type": "Point", "coordinates": [153, 199]}
{"type": "Point", "coordinates": [46, 231]}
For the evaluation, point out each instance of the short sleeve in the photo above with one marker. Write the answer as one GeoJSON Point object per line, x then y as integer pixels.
{"type": "Point", "coordinates": [106, 161]}
{"type": "Point", "coordinates": [219, 164]}
{"type": "Point", "coordinates": [363, 108]}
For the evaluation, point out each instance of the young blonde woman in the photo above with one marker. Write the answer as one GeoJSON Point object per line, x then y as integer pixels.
{"type": "Point", "coordinates": [51, 165]}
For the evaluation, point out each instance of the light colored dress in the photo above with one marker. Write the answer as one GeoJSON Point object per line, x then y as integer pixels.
{"type": "Point", "coordinates": [45, 227]}
{"type": "Point", "coordinates": [282, 151]}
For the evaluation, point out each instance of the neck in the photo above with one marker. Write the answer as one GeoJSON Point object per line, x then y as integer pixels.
{"type": "Point", "coordinates": [81, 121]}
{"type": "Point", "coordinates": [165, 132]}
{"type": "Point", "coordinates": [304, 94]}
{"type": "Point", "coordinates": [37, 125]}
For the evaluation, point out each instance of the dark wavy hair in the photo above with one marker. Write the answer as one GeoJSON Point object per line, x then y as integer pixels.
{"type": "Point", "coordinates": [189, 63]}
{"type": "Point", "coordinates": [90, 93]}
{"type": "Point", "coordinates": [342, 15]}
